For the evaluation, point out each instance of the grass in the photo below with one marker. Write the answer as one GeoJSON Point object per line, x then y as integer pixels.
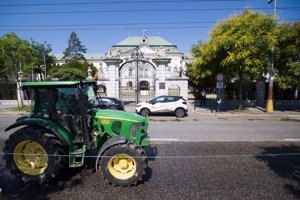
{"type": "Point", "coordinates": [19, 109]}
{"type": "Point", "coordinates": [246, 110]}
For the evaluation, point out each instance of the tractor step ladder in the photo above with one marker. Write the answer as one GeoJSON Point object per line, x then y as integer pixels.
{"type": "Point", "coordinates": [76, 155]}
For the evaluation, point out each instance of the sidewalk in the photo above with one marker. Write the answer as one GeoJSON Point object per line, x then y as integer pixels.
{"type": "Point", "coordinates": [251, 113]}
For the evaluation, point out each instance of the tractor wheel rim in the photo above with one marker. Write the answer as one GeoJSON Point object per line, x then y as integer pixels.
{"type": "Point", "coordinates": [31, 158]}
{"type": "Point", "coordinates": [122, 166]}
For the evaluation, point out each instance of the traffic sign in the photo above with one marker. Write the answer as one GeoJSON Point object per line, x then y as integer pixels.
{"type": "Point", "coordinates": [220, 77]}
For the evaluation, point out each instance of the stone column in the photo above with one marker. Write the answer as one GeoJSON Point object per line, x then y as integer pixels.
{"type": "Point", "coordinates": [161, 74]}
{"type": "Point", "coordinates": [112, 83]}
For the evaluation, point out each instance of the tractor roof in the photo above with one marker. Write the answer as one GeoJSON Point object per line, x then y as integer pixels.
{"type": "Point", "coordinates": [55, 83]}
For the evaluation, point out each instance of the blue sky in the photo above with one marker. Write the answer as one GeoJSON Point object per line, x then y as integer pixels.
{"type": "Point", "coordinates": [100, 24]}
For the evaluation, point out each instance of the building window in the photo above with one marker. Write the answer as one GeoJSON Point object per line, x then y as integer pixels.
{"type": "Point", "coordinates": [130, 72]}
{"type": "Point", "coordinates": [101, 90]}
{"type": "Point", "coordinates": [162, 85]}
{"type": "Point", "coordinates": [129, 84]}
{"type": "Point", "coordinates": [144, 85]}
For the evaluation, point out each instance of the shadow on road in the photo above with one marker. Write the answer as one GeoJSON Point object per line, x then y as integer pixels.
{"type": "Point", "coordinates": [284, 161]}
{"type": "Point", "coordinates": [13, 188]}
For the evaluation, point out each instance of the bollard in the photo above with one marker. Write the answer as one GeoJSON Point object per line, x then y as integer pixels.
{"type": "Point", "coordinates": [1, 197]}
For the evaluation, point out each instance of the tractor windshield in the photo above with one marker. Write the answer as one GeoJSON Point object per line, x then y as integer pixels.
{"type": "Point", "coordinates": [90, 96]}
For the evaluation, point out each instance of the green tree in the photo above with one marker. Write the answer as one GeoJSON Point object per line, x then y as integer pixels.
{"type": "Point", "coordinates": [74, 70]}
{"type": "Point", "coordinates": [238, 47]}
{"type": "Point", "coordinates": [287, 57]}
{"type": "Point", "coordinates": [15, 55]}
{"type": "Point", "coordinates": [39, 52]}
{"type": "Point", "coordinates": [75, 50]}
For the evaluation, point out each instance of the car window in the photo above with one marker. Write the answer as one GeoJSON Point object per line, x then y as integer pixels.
{"type": "Point", "coordinates": [160, 100]}
{"type": "Point", "coordinates": [171, 99]}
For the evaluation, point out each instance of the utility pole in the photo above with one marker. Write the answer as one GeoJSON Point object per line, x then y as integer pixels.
{"type": "Point", "coordinates": [269, 106]}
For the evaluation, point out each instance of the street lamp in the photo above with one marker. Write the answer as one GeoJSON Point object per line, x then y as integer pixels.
{"type": "Point", "coordinates": [269, 106]}
{"type": "Point", "coordinates": [20, 79]}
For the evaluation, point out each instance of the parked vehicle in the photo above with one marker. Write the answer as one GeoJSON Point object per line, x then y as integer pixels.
{"type": "Point", "coordinates": [163, 104]}
{"type": "Point", "coordinates": [110, 103]}
{"type": "Point", "coordinates": [56, 136]}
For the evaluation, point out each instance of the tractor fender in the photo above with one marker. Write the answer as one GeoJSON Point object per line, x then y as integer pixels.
{"type": "Point", "coordinates": [109, 143]}
{"type": "Point", "coordinates": [55, 128]}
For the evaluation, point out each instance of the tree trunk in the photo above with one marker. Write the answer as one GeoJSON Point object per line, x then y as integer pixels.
{"type": "Point", "coordinates": [296, 96]}
{"type": "Point", "coordinates": [241, 107]}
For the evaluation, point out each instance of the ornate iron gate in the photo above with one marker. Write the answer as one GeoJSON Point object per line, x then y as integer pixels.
{"type": "Point", "coordinates": [137, 78]}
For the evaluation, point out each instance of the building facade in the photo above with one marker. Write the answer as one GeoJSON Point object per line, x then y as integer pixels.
{"type": "Point", "coordinates": [141, 68]}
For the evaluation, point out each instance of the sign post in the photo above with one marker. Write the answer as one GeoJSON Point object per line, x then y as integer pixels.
{"type": "Point", "coordinates": [220, 86]}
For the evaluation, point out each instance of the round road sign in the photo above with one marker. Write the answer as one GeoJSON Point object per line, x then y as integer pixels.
{"type": "Point", "coordinates": [220, 77]}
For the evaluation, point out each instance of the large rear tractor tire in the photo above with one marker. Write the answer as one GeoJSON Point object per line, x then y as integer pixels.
{"type": "Point", "coordinates": [34, 154]}
{"type": "Point", "coordinates": [123, 164]}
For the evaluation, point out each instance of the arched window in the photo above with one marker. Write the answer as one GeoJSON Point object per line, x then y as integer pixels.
{"type": "Point", "coordinates": [174, 90]}
{"type": "Point", "coordinates": [130, 72]}
{"type": "Point", "coordinates": [101, 90]}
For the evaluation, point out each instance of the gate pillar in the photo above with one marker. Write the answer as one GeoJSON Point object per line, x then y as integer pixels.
{"type": "Point", "coordinates": [112, 83]}
{"type": "Point", "coordinates": [162, 72]}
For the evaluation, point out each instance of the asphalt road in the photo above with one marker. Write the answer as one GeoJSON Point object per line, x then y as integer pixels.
{"type": "Point", "coordinates": [185, 170]}
{"type": "Point", "coordinates": [198, 158]}
{"type": "Point", "coordinates": [196, 128]}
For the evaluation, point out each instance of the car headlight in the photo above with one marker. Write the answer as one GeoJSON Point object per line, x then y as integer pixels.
{"type": "Point", "coordinates": [138, 105]}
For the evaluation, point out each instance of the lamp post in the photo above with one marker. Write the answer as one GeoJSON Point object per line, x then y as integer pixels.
{"type": "Point", "coordinates": [20, 94]}
{"type": "Point", "coordinates": [269, 106]}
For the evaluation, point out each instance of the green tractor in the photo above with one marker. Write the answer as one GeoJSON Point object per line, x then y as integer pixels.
{"type": "Point", "coordinates": [64, 125]}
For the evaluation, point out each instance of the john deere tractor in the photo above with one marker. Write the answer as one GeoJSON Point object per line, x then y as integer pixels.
{"type": "Point", "coordinates": [65, 124]}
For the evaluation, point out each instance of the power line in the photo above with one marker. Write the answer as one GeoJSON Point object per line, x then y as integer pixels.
{"type": "Point", "coordinates": [112, 2]}
{"type": "Point", "coordinates": [111, 24]}
{"type": "Point", "coordinates": [117, 24]}
{"type": "Point", "coordinates": [144, 10]}
{"type": "Point", "coordinates": [108, 29]}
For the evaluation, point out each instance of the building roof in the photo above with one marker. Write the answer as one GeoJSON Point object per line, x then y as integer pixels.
{"type": "Point", "coordinates": [88, 56]}
{"type": "Point", "coordinates": [150, 40]}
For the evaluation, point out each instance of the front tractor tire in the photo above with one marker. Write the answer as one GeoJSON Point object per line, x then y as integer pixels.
{"type": "Point", "coordinates": [34, 154]}
{"type": "Point", "coordinates": [123, 164]}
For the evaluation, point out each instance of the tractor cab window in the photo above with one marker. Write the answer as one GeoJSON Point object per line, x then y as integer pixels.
{"type": "Point", "coordinates": [90, 96]}
{"type": "Point", "coordinates": [66, 101]}
{"type": "Point", "coordinates": [40, 103]}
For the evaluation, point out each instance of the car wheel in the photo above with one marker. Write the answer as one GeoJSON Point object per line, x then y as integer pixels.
{"type": "Point", "coordinates": [180, 112]}
{"type": "Point", "coordinates": [145, 112]}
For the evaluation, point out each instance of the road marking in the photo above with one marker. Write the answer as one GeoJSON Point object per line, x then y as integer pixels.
{"type": "Point", "coordinates": [291, 139]}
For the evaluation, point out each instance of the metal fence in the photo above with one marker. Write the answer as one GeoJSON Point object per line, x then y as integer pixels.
{"type": "Point", "coordinates": [8, 91]}
{"type": "Point", "coordinates": [130, 94]}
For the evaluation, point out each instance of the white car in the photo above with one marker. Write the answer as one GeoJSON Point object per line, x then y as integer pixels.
{"type": "Point", "coordinates": [163, 104]}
